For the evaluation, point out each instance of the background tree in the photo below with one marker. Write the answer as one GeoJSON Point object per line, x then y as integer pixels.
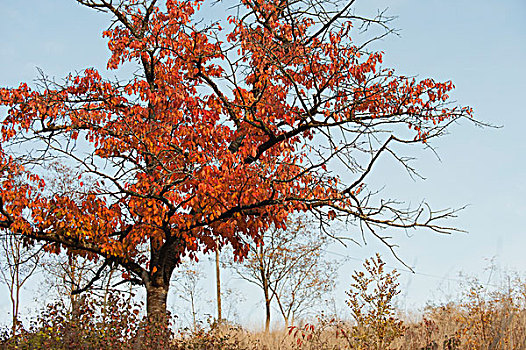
{"type": "Point", "coordinates": [67, 276]}
{"type": "Point", "coordinates": [19, 262]}
{"type": "Point", "coordinates": [290, 268]}
{"type": "Point", "coordinates": [187, 285]}
{"type": "Point", "coordinates": [224, 130]}
{"type": "Point", "coordinates": [71, 273]}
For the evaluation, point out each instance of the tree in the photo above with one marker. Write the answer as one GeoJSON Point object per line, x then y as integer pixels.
{"type": "Point", "coordinates": [65, 276]}
{"type": "Point", "coordinates": [224, 130]}
{"type": "Point", "coordinates": [71, 274]}
{"type": "Point", "coordinates": [289, 267]}
{"type": "Point", "coordinates": [18, 265]}
{"type": "Point", "coordinates": [187, 283]}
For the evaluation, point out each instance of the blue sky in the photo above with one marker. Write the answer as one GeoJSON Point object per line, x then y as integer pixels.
{"type": "Point", "coordinates": [480, 45]}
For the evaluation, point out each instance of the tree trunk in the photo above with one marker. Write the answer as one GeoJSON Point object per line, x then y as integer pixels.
{"type": "Point", "coordinates": [162, 262]}
{"type": "Point", "coordinates": [16, 300]}
{"type": "Point", "coordinates": [194, 313]}
{"type": "Point", "coordinates": [156, 301]}
{"type": "Point", "coordinates": [15, 318]}
{"type": "Point", "coordinates": [265, 290]}
{"type": "Point", "coordinates": [267, 310]}
{"type": "Point", "coordinates": [147, 337]}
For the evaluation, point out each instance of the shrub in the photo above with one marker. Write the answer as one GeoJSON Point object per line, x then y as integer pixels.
{"type": "Point", "coordinates": [94, 323]}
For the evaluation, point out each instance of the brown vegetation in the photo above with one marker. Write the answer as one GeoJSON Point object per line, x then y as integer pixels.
{"type": "Point", "coordinates": [482, 320]}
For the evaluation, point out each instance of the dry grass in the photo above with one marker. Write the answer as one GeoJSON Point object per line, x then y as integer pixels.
{"type": "Point", "coordinates": [483, 319]}
{"type": "Point", "coordinates": [448, 327]}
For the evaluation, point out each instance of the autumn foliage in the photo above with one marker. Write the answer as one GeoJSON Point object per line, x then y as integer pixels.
{"type": "Point", "coordinates": [225, 129]}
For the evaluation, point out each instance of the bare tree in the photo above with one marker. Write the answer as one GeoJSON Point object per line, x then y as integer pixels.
{"type": "Point", "coordinates": [19, 263]}
{"type": "Point", "coordinates": [69, 274]}
{"type": "Point", "coordinates": [290, 268]}
{"type": "Point", "coordinates": [187, 280]}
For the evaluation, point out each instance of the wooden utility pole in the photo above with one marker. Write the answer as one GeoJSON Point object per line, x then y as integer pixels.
{"type": "Point", "coordinates": [218, 285]}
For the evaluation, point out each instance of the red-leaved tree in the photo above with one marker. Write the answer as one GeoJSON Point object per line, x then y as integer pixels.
{"type": "Point", "coordinates": [225, 129]}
